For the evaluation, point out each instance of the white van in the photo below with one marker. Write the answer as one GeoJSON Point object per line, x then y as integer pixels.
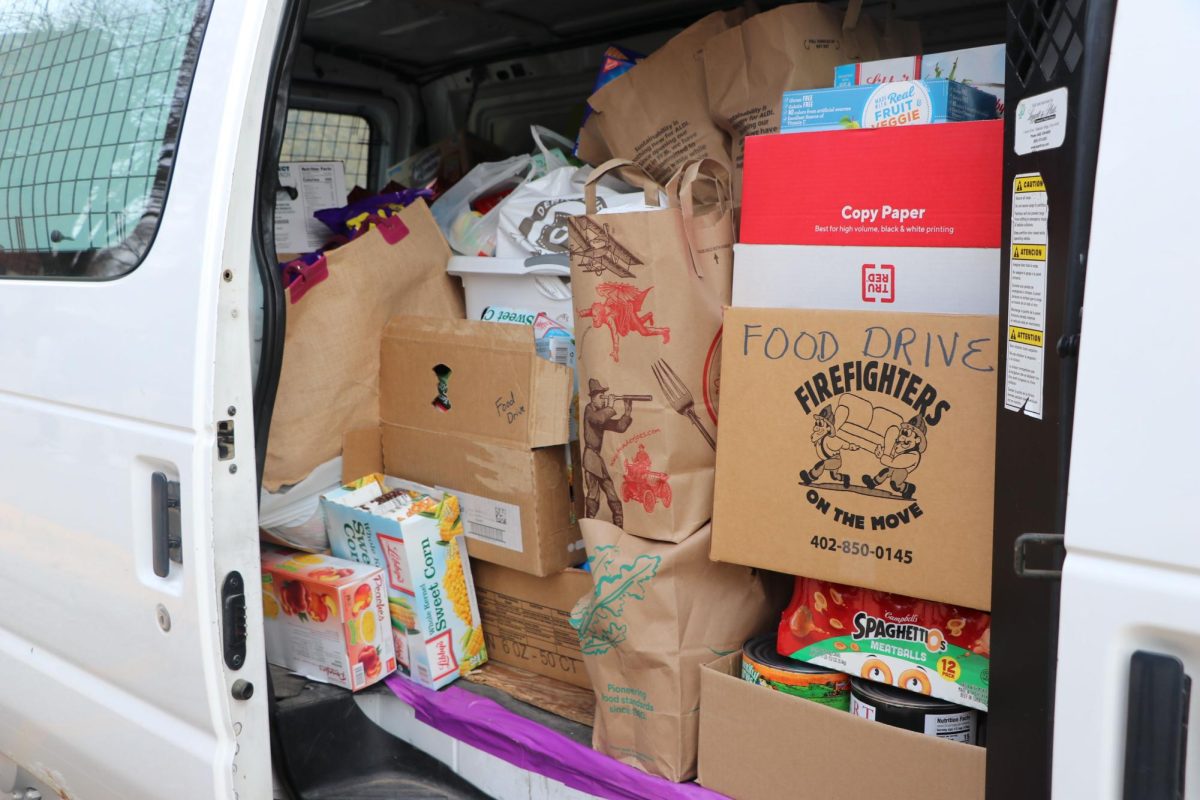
{"type": "Point", "coordinates": [141, 323]}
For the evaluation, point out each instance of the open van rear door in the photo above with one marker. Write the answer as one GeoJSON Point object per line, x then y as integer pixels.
{"type": "Point", "coordinates": [131, 658]}
{"type": "Point", "coordinates": [1129, 641]}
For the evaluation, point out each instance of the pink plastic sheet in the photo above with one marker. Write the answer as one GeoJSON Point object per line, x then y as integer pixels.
{"type": "Point", "coordinates": [487, 725]}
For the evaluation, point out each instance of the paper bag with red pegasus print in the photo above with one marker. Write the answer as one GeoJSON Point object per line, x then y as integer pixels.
{"type": "Point", "coordinates": [649, 287]}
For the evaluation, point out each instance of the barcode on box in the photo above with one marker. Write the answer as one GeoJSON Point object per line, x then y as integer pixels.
{"type": "Point", "coordinates": [360, 675]}
{"type": "Point", "coordinates": [485, 531]}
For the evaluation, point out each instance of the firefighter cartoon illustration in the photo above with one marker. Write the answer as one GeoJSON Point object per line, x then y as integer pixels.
{"type": "Point", "coordinates": [900, 454]}
{"type": "Point", "coordinates": [829, 447]}
{"type": "Point", "coordinates": [621, 310]}
{"type": "Point", "coordinates": [599, 417]}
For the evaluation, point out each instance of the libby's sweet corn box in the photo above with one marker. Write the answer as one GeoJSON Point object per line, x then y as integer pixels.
{"type": "Point", "coordinates": [415, 533]}
{"type": "Point", "coordinates": [326, 618]}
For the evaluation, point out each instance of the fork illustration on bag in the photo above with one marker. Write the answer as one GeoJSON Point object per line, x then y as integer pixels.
{"type": "Point", "coordinates": [680, 397]}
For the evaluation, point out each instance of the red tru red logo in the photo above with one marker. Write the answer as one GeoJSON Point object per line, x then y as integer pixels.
{"type": "Point", "coordinates": [878, 283]}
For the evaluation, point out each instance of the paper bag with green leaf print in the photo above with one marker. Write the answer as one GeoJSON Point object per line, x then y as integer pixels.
{"type": "Point", "coordinates": [657, 612]}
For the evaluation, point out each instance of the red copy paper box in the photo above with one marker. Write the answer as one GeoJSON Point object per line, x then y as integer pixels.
{"type": "Point", "coordinates": [904, 219]}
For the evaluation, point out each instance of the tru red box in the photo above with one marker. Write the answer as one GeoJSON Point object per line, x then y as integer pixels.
{"type": "Point", "coordinates": [898, 219]}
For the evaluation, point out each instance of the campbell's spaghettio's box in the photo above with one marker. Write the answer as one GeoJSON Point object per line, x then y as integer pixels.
{"type": "Point", "coordinates": [326, 618]}
{"type": "Point", "coordinates": [897, 219]}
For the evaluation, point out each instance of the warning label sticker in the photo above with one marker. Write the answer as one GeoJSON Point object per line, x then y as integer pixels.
{"type": "Point", "coordinates": [1024, 370]}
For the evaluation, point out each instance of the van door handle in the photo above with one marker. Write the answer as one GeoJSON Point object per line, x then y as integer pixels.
{"type": "Point", "coordinates": [167, 541]}
{"type": "Point", "coordinates": [1156, 732]}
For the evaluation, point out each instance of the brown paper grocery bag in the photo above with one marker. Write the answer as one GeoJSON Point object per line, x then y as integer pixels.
{"type": "Point", "coordinates": [657, 113]}
{"type": "Point", "coordinates": [335, 316]}
{"type": "Point", "coordinates": [648, 289]}
{"type": "Point", "coordinates": [659, 611]}
{"type": "Point", "coordinates": [748, 68]}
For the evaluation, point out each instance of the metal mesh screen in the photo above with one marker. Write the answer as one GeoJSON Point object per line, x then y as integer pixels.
{"type": "Point", "coordinates": [1044, 36]}
{"type": "Point", "coordinates": [90, 99]}
{"type": "Point", "coordinates": [325, 136]}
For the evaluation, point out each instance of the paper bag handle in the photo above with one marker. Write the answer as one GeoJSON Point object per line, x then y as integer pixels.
{"type": "Point", "coordinates": [650, 188]}
{"type": "Point", "coordinates": [683, 191]}
{"type": "Point", "coordinates": [853, 12]}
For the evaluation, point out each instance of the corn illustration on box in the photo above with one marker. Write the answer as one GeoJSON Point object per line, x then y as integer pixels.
{"type": "Point", "coordinates": [415, 534]}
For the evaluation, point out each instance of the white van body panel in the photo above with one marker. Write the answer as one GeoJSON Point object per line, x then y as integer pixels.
{"type": "Point", "coordinates": [1132, 575]}
{"type": "Point", "coordinates": [102, 384]}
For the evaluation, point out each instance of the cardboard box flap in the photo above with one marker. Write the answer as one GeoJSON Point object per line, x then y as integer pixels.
{"type": "Point", "coordinates": [362, 453]}
{"type": "Point", "coordinates": [475, 379]}
{"type": "Point", "coordinates": [752, 739]}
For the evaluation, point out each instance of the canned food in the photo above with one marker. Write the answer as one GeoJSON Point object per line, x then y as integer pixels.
{"type": "Point", "coordinates": [761, 664]}
{"type": "Point", "coordinates": [913, 712]}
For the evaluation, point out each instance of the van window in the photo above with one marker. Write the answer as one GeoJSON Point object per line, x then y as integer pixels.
{"type": "Point", "coordinates": [92, 94]}
{"type": "Point", "coordinates": [326, 136]}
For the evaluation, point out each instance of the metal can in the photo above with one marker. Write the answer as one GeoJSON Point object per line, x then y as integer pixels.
{"type": "Point", "coordinates": [913, 712]}
{"type": "Point", "coordinates": [761, 664]}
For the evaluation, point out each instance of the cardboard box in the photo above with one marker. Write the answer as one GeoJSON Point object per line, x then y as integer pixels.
{"type": "Point", "coordinates": [906, 219]}
{"type": "Point", "coordinates": [526, 619]}
{"type": "Point", "coordinates": [759, 744]}
{"type": "Point", "coordinates": [417, 538]}
{"type": "Point", "coordinates": [859, 448]}
{"type": "Point", "coordinates": [886, 105]}
{"type": "Point", "coordinates": [326, 619]}
{"type": "Point", "coordinates": [469, 407]}
{"type": "Point", "coordinates": [981, 67]}
{"type": "Point", "coordinates": [885, 70]}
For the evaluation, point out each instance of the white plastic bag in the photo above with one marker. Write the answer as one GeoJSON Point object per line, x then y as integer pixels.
{"type": "Point", "coordinates": [473, 234]}
{"type": "Point", "coordinates": [293, 514]}
{"type": "Point", "coordinates": [533, 219]}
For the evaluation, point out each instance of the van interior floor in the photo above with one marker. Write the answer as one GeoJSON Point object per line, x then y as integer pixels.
{"type": "Point", "coordinates": [332, 748]}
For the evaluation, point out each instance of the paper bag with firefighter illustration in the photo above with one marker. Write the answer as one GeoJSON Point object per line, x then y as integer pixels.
{"type": "Point", "coordinates": [859, 447]}
{"type": "Point", "coordinates": [748, 68]}
{"type": "Point", "coordinates": [648, 290]}
{"type": "Point", "coordinates": [659, 611]}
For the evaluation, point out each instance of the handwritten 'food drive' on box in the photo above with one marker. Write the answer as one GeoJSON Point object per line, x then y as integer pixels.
{"type": "Point", "coordinates": [858, 447]}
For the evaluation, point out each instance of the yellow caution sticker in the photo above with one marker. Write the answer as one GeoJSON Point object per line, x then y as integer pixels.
{"type": "Point", "coordinates": [1029, 252]}
{"type": "Point", "coordinates": [1029, 183]}
{"type": "Point", "coordinates": [1025, 336]}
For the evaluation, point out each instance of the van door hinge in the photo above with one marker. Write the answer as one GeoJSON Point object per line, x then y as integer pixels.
{"type": "Point", "coordinates": [167, 544]}
{"type": "Point", "coordinates": [1052, 552]}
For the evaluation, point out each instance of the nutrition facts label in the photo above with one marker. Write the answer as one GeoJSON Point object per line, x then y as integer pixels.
{"type": "Point", "coordinates": [1024, 370]}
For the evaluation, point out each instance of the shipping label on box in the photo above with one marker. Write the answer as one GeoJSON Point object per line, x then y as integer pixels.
{"type": "Point", "coordinates": [326, 618]}
{"type": "Point", "coordinates": [859, 448]}
{"type": "Point", "coordinates": [414, 533]}
{"type": "Point", "coordinates": [886, 105]}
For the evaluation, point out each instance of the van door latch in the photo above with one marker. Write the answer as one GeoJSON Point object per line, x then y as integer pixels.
{"type": "Point", "coordinates": [1051, 553]}
{"type": "Point", "coordinates": [233, 620]}
{"type": "Point", "coordinates": [165, 523]}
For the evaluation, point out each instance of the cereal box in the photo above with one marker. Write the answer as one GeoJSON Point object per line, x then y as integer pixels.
{"type": "Point", "coordinates": [884, 105]}
{"type": "Point", "coordinates": [415, 533]}
{"type": "Point", "coordinates": [326, 618]}
{"type": "Point", "coordinates": [918, 645]}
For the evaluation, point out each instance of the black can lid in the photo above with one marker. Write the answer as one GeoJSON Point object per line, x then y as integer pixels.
{"type": "Point", "coordinates": [762, 649]}
{"type": "Point", "coordinates": [877, 693]}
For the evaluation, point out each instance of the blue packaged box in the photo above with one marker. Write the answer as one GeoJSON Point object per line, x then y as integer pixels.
{"type": "Point", "coordinates": [884, 105]}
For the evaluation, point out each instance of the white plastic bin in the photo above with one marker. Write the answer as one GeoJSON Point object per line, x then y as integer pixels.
{"type": "Point", "coordinates": [534, 284]}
